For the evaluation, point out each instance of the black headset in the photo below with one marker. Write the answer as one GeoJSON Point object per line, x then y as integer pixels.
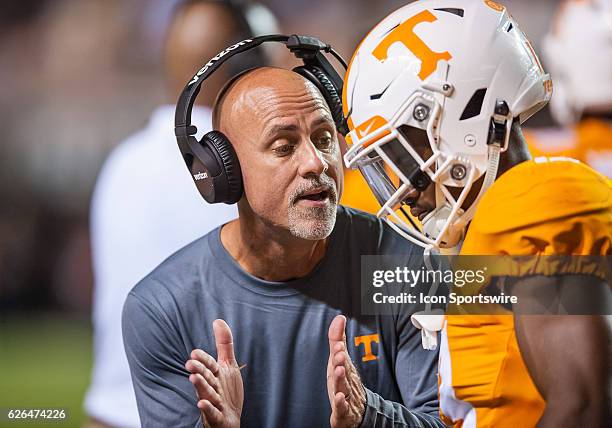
{"type": "Point", "coordinates": [212, 161]}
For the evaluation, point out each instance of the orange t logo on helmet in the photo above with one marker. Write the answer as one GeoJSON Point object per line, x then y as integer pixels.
{"type": "Point", "coordinates": [495, 6]}
{"type": "Point", "coordinates": [404, 33]}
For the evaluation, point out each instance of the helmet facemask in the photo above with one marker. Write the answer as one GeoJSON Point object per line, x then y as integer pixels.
{"type": "Point", "coordinates": [430, 99]}
{"type": "Point", "coordinates": [402, 157]}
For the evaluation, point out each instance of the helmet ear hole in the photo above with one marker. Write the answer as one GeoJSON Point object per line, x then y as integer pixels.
{"type": "Point", "coordinates": [474, 105]}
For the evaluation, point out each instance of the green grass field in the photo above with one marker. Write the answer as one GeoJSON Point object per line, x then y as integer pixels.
{"type": "Point", "coordinates": [45, 362]}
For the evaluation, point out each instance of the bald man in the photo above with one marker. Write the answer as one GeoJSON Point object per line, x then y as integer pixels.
{"type": "Point", "coordinates": [144, 206]}
{"type": "Point", "coordinates": [278, 275]}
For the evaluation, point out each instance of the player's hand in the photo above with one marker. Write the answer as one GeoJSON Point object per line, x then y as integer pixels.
{"type": "Point", "coordinates": [344, 388]}
{"type": "Point", "coordinates": [218, 383]}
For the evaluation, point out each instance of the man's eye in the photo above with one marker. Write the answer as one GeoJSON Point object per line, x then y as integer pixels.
{"type": "Point", "coordinates": [324, 141]}
{"type": "Point", "coordinates": [284, 150]}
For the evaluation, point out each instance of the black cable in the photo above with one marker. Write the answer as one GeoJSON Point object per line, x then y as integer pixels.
{"type": "Point", "coordinates": [410, 219]}
{"type": "Point", "coordinates": [337, 56]}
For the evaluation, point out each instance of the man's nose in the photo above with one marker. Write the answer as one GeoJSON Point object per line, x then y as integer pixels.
{"type": "Point", "coordinates": [412, 197]}
{"type": "Point", "coordinates": [311, 160]}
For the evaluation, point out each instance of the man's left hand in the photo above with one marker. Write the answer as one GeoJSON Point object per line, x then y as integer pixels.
{"type": "Point", "coordinates": [346, 392]}
{"type": "Point", "coordinates": [218, 383]}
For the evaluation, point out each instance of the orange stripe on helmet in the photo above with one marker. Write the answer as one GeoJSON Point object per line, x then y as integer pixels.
{"type": "Point", "coordinates": [370, 126]}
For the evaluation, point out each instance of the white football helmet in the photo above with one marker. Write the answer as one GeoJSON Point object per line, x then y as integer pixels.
{"type": "Point", "coordinates": [451, 74]}
{"type": "Point", "coordinates": [578, 51]}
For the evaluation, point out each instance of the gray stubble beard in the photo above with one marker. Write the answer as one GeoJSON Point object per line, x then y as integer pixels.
{"type": "Point", "coordinates": [313, 223]}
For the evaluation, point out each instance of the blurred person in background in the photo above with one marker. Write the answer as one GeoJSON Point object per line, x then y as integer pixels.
{"type": "Point", "coordinates": [578, 52]}
{"type": "Point", "coordinates": [144, 207]}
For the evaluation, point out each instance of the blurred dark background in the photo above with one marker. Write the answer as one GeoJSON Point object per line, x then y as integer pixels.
{"type": "Point", "coordinates": [78, 76]}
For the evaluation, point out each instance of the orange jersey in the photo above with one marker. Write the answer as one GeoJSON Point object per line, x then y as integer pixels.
{"type": "Point", "coordinates": [589, 142]}
{"type": "Point", "coordinates": [540, 207]}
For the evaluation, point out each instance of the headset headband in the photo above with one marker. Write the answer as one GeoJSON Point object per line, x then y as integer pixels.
{"type": "Point", "coordinates": [309, 49]}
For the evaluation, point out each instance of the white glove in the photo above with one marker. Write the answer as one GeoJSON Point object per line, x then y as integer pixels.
{"type": "Point", "coordinates": [430, 323]}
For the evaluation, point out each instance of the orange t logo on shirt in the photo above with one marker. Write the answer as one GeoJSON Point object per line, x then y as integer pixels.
{"type": "Point", "coordinates": [366, 341]}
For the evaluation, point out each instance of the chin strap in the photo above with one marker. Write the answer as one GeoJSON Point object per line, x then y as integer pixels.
{"type": "Point", "coordinates": [429, 321]}
{"type": "Point", "coordinates": [430, 324]}
{"type": "Point", "coordinates": [499, 136]}
{"type": "Point", "coordinates": [493, 154]}
{"type": "Point", "coordinates": [435, 222]}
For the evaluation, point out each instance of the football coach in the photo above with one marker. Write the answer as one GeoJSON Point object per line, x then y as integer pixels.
{"type": "Point", "coordinates": [278, 275]}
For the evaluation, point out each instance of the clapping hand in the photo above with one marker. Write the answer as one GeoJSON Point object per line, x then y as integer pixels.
{"type": "Point", "coordinates": [344, 388]}
{"type": "Point", "coordinates": [218, 383]}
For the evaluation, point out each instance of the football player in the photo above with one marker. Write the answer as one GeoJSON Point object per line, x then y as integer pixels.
{"type": "Point", "coordinates": [578, 53]}
{"type": "Point", "coordinates": [435, 96]}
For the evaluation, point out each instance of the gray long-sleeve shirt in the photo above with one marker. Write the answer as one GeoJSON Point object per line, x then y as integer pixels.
{"type": "Point", "coordinates": [280, 333]}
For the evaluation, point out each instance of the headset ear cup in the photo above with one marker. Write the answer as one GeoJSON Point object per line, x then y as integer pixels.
{"type": "Point", "coordinates": [321, 81]}
{"type": "Point", "coordinates": [229, 186]}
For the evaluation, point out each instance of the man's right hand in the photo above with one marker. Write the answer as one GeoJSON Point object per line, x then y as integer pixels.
{"type": "Point", "coordinates": [346, 392]}
{"type": "Point", "coordinates": [218, 383]}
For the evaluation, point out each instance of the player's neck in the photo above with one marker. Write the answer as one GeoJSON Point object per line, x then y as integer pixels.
{"type": "Point", "coordinates": [517, 152]}
{"type": "Point", "coordinates": [270, 253]}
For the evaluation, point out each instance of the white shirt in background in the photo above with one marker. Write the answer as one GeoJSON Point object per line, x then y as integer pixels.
{"type": "Point", "coordinates": [144, 208]}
